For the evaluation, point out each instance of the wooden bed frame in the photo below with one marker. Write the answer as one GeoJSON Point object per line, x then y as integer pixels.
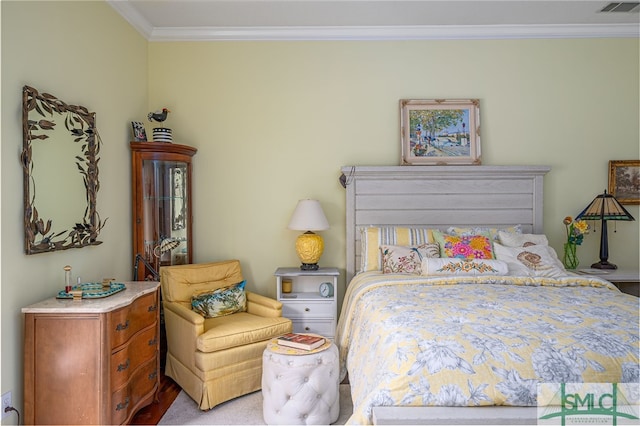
{"type": "Point", "coordinates": [439, 197]}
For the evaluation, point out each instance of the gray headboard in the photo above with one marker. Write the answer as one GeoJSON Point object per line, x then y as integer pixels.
{"type": "Point", "coordinates": [439, 197]}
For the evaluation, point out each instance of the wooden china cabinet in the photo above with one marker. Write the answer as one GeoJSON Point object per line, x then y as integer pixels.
{"type": "Point", "coordinates": [162, 216]}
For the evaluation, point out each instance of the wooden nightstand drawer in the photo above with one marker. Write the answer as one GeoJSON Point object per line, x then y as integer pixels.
{"type": "Point", "coordinates": [307, 309]}
{"type": "Point", "coordinates": [321, 327]}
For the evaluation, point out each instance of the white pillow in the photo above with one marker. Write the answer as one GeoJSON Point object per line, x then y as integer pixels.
{"type": "Point", "coordinates": [406, 259]}
{"type": "Point", "coordinates": [511, 239]}
{"type": "Point", "coordinates": [457, 266]}
{"type": "Point", "coordinates": [532, 261]}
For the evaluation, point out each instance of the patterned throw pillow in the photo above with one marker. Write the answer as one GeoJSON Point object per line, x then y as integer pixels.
{"type": "Point", "coordinates": [464, 247]}
{"type": "Point", "coordinates": [464, 267]}
{"type": "Point", "coordinates": [522, 240]}
{"type": "Point", "coordinates": [220, 302]}
{"type": "Point", "coordinates": [406, 259]}
{"type": "Point", "coordinates": [481, 230]}
{"type": "Point", "coordinates": [532, 261]}
{"type": "Point", "coordinates": [372, 237]}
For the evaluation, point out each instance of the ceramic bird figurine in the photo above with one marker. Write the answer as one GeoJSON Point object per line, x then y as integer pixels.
{"type": "Point", "coordinates": [158, 116]}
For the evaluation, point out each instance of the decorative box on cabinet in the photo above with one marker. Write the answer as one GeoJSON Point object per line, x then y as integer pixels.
{"type": "Point", "coordinates": [92, 361]}
{"type": "Point", "coordinates": [309, 311]}
{"type": "Point", "coordinates": [162, 217]}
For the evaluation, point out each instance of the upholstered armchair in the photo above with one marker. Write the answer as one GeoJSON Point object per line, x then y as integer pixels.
{"type": "Point", "coordinates": [220, 358]}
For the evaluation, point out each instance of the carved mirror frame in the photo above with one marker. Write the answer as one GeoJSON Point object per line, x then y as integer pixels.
{"type": "Point", "coordinates": [41, 112]}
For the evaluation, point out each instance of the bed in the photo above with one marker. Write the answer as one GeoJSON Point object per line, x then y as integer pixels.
{"type": "Point", "coordinates": [430, 334]}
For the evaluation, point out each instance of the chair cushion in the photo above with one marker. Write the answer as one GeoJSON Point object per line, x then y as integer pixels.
{"type": "Point", "coordinates": [241, 328]}
{"type": "Point", "coordinates": [180, 282]}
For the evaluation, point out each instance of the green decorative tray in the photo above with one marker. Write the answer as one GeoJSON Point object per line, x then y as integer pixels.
{"type": "Point", "coordinates": [92, 290]}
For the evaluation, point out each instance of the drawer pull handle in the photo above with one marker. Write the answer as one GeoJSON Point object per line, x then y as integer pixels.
{"type": "Point", "coordinates": [153, 342]}
{"type": "Point", "coordinates": [307, 309]}
{"type": "Point", "coordinates": [307, 329]}
{"type": "Point", "coordinates": [153, 375]}
{"type": "Point", "coordinates": [152, 308]}
{"type": "Point", "coordinates": [123, 405]}
{"type": "Point", "coordinates": [122, 326]}
{"type": "Point", "coordinates": [122, 367]}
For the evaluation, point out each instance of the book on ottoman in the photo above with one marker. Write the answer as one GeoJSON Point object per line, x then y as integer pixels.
{"type": "Point", "coordinates": [301, 341]}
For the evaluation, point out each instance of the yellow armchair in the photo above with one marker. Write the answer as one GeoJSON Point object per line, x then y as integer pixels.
{"type": "Point", "coordinates": [216, 359]}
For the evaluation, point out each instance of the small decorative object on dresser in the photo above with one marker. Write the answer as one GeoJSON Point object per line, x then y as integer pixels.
{"type": "Point", "coordinates": [310, 310]}
{"type": "Point", "coordinates": [575, 234]}
{"type": "Point", "coordinates": [624, 180]}
{"type": "Point", "coordinates": [139, 132]}
{"type": "Point", "coordinates": [440, 131]}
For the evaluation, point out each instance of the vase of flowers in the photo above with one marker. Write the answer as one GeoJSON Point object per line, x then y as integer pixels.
{"type": "Point", "coordinates": [575, 234]}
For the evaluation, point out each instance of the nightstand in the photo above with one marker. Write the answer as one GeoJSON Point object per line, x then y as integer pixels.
{"type": "Point", "coordinates": [309, 311]}
{"type": "Point", "coordinates": [627, 280]}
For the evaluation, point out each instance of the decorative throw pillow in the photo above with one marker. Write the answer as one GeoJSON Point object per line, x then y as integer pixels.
{"type": "Point", "coordinates": [373, 237]}
{"type": "Point", "coordinates": [483, 230]}
{"type": "Point", "coordinates": [406, 259]}
{"type": "Point", "coordinates": [522, 240]}
{"type": "Point", "coordinates": [220, 302]}
{"type": "Point", "coordinates": [531, 261]}
{"type": "Point", "coordinates": [464, 247]}
{"type": "Point", "coordinates": [464, 267]}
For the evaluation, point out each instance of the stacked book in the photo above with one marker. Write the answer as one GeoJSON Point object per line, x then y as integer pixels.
{"type": "Point", "coordinates": [305, 342]}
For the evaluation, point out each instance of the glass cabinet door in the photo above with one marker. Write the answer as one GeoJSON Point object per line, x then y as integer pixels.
{"type": "Point", "coordinates": [162, 207]}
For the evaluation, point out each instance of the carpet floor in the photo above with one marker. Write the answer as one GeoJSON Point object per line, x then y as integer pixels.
{"type": "Point", "coordinates": [245, 410]}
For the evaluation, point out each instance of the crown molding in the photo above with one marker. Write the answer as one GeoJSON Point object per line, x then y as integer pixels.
{"type": "Point", "coordinates": [434, 32]}
{"type": "Point", "coordinates": [329, 33]}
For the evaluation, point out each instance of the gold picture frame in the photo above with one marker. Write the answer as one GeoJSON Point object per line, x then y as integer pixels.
{"type": "Point", "coordinates": [440, 131]}
{"type": "Point", "coordinates": [624, 180]}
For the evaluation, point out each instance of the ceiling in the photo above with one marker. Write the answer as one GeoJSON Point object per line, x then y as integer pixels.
{"type": "Point", "coordinates": [167, 20]}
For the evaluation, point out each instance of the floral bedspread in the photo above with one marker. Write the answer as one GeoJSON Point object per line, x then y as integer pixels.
{"type": "Point", "coordinates": [483, 340]}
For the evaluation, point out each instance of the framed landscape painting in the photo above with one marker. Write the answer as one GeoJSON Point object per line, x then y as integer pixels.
{"type": "Point", "coordinates": [440, 131]}
{"type": "Point", "coordinates": [624, 180]}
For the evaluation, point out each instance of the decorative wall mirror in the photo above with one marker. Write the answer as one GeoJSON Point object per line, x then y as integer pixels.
{"type": "Point", "coordinates": [60, 163]}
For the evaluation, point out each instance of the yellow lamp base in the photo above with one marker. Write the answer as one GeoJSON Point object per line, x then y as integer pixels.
{"type": "Point", "coordinates": [309, 247]}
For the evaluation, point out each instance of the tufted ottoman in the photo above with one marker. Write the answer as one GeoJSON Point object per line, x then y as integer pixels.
{"type": "Point", "coordinates": [300, 387]}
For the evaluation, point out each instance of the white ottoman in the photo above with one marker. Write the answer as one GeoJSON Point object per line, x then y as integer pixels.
{"type": "Point", "coordinates": [300, 387]}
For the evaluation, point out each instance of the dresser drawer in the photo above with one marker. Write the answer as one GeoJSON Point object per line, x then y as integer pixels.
{"type": "Point", "coordinates": [127, 399]}
{"type": "Point", "coordinates": [125, 322]}
{"type": "Point", "coordinates": [322, 327]}
{"type": "Point", "coordinates": [142, 347]}
{"type": "Point", "coordinates": [307, 309]}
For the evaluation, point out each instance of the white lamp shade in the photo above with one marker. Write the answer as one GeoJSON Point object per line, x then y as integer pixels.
{"type": "Point", "coordinates": [308, 216]}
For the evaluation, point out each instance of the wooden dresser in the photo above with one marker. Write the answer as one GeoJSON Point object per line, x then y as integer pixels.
{"type": "Point", "coordinates": [92, 361]}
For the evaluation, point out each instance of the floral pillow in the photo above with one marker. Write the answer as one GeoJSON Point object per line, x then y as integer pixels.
{"type": "Point", "coordinates": [531, 261]}
{"type": "Point", "coordinates": [220, 302]}
{"type": "Point", "coordinates": [482, 230]}
{"type": "Point", "coordinates": [406, 259]}
{"type": "Point", "coordinates": [464, 267]}
{"type": "Point", "coordinates": [522, 240]}
{"type": "Point", "coordinates": [464, 247]}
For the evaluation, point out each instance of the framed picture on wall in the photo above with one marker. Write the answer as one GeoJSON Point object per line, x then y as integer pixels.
{"type": "Point", "coordinates": [440, 131]}
{"type": "Point", "coordinates": [624, 180]}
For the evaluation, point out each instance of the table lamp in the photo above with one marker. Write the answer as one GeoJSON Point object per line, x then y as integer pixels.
{"type": "Point", "coordinates": [308, 216]}
{"type": "Point", "coordinates": [604, 207]}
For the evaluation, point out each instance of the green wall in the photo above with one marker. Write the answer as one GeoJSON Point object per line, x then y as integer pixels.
{"type": "Point", "coordinates": [83, 53]}
{"type": "Point", "coordinates": [275, 121]}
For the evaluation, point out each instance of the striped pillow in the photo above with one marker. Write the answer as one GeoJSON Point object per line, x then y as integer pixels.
{"type": "Point", "coordinates": [373, 237]}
